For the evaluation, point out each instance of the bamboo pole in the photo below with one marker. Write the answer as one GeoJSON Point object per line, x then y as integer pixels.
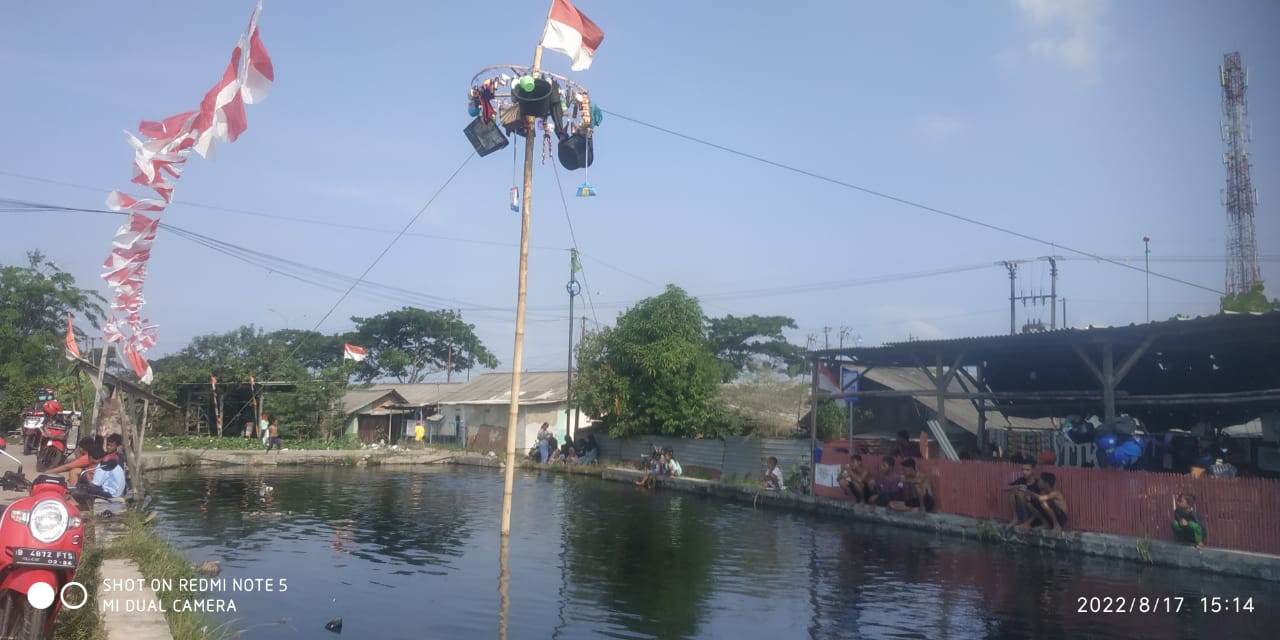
{"type": "Point", "coordinates": [517, 360]}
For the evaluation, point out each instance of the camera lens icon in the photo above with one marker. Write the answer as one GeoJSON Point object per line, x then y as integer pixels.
{"type": "Point", "coordinates": [41, 594]}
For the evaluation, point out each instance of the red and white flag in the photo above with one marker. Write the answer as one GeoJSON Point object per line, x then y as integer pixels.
{"type": "Point", "coordinates": [352, 352]}
{"type": "Point", "coordinates": [571, 33]}
{"type": "Point", "coordinates": [139, 364]}
{"type": "Point", "coordinates": [73, 350]}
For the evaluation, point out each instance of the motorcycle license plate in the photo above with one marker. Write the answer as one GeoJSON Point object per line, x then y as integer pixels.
{"type": "Point", "coordinates": [44, 558]}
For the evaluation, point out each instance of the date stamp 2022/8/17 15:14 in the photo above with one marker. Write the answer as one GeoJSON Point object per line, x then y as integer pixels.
{"type": "Point", "coordinates": [1164, 604]}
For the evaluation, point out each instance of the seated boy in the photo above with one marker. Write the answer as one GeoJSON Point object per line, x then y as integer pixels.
{"type": "Point", "coordinates": [888, 487]}
{"type": "Point", "coordinates": [917, 493]}
{"type": "Point", "coordinates": [86, 456]}
{"type": "Point", "coordinates": [853, 478]}
{"type": "Point", "coordinates": [772, 475]}
{"type": "Point", "coordinates": [1187, 527]}
{"type": "Point", "coordinates": [1053, 499]}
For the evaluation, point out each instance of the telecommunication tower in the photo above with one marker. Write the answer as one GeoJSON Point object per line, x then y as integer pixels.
{"type": "Point", "coordinates": [1239, 197]}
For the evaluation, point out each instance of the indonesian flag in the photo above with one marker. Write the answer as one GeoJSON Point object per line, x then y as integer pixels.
{"type": "Point", "coordinates": [73, 350]}
{"type": "Point", "coordinates": [571, 33]}
{"type": "Point", "coordinates": [256, 75]}
{"type": "Point", "coordinates": [139, 364]}
{"type": "Point", "coordinates": [352, 352]}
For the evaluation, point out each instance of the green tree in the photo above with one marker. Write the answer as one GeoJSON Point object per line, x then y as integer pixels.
{"type": "Point", "coordinates": [1252, 301]}
{"type": "Point", "coordinates": [655, 372]}
{"type": "Point", "coordinates": [34, 301]}
{"type": "Point", "coordinates": [280, 356]}
{"type": "Point", "coordinates": [833, 420]}
{"type": "Point", "coordinates": [740, 343]}
{"type": "Point", "coordinates": [411, 344]}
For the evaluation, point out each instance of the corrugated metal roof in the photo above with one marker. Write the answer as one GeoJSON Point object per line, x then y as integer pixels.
{"type": "Point", "coordinates": [428, 393]}
{"type": "Point", "coordinates": [960, 412]}
{"type": "Point", "coordinates": [356, 399]}
{"type": "Point", "coordinates": [536, 387]}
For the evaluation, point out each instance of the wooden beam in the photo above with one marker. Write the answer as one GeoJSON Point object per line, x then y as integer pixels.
{"type": "Point", "coordinates": [951, 373]}
{"type": "Point", "coordinates": [1088, 362]}
{"type": "Point", "coordinates": [1133, 358]}
{"type": "Point", "coordinates": [1108, 383]}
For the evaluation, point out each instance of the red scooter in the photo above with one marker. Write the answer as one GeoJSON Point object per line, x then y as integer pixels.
{"type": "Point", "coordinates": [53, 434]}
{"type": "Point", "coordinates": [40, 541]}
{"type": "Point", "coordinates": [32, 421]}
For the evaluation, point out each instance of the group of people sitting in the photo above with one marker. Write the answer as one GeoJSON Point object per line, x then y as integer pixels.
{"type": "Point", "coordinates": [1035, 500]}
{"type": "Point", "coordinates": [550, 451]}
{"type": "Point", "coordinates": [904, 490]}
{"type": "Point", "coordinates": [97, 470]}
{"type": "Point", "coordinates": [661, 464]}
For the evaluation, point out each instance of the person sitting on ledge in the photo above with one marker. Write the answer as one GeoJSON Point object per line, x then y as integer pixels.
{"type": "Point", "coordinates": [1053, 500]}
{"type": "Point", "coordinates": [772, 475]}
{"type": "Point", "coordinates": [1026, 511]}
{"type": "Point", "coordinates": [1187, 527]}
{"type": "Point", "coordinates": [853, 478]}
{"type": "Point", "coordinates": [917, 494]}
{"type": "Point", "coordinates": [888, 487]}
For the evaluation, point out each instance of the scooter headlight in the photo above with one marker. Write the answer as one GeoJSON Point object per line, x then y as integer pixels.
{"type": "Point", "coordinates": [49, 520]}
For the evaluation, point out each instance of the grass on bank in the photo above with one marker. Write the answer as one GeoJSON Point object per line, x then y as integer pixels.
{"type": "Point", "coordinates": [83, 623]}
{"type": "Point", "coordinates": [155, 559]}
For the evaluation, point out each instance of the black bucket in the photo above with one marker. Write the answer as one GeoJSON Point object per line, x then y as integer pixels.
{"type": "Point", "coordinates": [576, 152]}
{"type": "Point", "coordinates": [485, 137]}
{"type": "Point", "coordinates": [537, 102]}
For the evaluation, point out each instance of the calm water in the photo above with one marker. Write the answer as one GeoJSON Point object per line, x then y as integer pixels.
{"type": "Point", "coordinates": [414, 554]}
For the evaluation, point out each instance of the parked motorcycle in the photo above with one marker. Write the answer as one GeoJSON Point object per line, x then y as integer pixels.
{"type": "Point", "coordinates": [53, 437]}
{"type": "Point", "coordinates": [41, 537]}
{"type": "Point", "coordinates": [32, 421]}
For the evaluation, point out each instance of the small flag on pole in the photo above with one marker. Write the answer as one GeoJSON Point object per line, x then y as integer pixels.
{"type": "Point", "coordinates": [574, 265]}
{"type": "Point", "coordinates": [73, 350]}
{"type": "Point", "coordinates": [352, 352]}
{"type": "Point", "coordinates": [571, 33]}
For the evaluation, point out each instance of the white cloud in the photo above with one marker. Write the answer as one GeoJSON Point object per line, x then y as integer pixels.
{"type": "Point", "coordinates": [1070, 33]}
{"type": "Point", "coordinates": [938, 126]}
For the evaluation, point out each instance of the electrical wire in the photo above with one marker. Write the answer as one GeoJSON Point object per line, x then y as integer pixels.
{"type": "Point", "coordinates": [904, 201]}
{"type": "Point", "coordinates": [586, 287]}
{"type": "Point", "coordinates": [285, 218]}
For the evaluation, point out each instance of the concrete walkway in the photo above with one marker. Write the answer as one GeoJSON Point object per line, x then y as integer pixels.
{"type": "Point", "coordinates": [131, 611]}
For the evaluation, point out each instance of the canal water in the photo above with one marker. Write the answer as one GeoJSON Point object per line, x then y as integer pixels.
{"type": "Point", "coordinates": [413, 554]}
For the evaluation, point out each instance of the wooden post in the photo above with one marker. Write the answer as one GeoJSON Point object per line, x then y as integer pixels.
{"type": "Point", "coordinates": [813, 421]}
{"type": "Point", "coordinates": [98, 390]}
{"type": "Point", "coordinates": [979, 385]}
{"type": "Point", "coordinates": [136, 468]}
{"type": "Point", "coordinates": [517, 359]}
{"type": "Point", "coordinates": [1108, 383]}
{"type": "Point", "coordinates": [941, 381]}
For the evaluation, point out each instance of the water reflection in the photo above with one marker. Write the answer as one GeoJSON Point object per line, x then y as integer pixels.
{"type": "Point", "coordinates": [398, 552]}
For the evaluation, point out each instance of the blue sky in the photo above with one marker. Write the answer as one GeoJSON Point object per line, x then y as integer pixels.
{"type": "Point", "coordinates": [1088, 124]}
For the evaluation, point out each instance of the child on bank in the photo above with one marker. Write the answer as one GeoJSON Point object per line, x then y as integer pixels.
{"type": "Point", "coordinates": [1187, 527]}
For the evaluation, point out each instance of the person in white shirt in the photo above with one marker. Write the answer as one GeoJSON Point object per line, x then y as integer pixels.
{"type": "Point", "coordinates": [772, 475]}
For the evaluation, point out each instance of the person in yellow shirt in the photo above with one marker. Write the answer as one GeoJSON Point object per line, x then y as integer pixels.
{"type": "Point", "coordinates": [419, 433]}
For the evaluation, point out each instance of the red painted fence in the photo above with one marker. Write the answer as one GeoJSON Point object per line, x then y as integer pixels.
{"type": "Point", "coordinates": [1239, 513]}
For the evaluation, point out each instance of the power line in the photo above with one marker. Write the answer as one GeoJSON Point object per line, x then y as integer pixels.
{"type": "Point", "coordinates": [275, 216]}
{"type": "Point", "coordinates": [574, 238]}
{"type": "Point", "coordinates": [903, 201]}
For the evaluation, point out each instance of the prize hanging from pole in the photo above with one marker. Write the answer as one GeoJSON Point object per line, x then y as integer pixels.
{"type": "Point", "coordinates": [501, 97]}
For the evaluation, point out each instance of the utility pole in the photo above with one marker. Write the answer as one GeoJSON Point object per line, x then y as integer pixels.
{"type": "Point", "coordinates": [844, 332]}
{"type": "Point", "coordinates": [1053, 292]}
{"type": "Point", "coordinates": [572, 288]}
{"type": "Point", "coordinates": [1013, 276]}
{"type": "Point", "coordinates": [826, 337]}
{"type": "Point", "coordinates": [1064, 314]}
{"type": "Point", "coordinates": [1146, 243]}
{"type": "Point", "coordinates": [448, 368]}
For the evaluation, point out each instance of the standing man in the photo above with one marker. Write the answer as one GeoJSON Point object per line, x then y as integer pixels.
{"type": "Point", "coordinates": [248, 428]}
{"type": "Point", "coordinates": [273, 432]}
{"type": "Point", "coordinates": [263, 426]}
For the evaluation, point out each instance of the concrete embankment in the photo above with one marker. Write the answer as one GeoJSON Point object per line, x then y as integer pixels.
{"type": "Point", "coordinates": [1142, 550]}
{"type": "Point", "coordinates": [156, 460]}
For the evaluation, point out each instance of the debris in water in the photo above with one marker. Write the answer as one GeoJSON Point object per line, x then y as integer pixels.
{"type": "Point", "coordinates": [334, 625]}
